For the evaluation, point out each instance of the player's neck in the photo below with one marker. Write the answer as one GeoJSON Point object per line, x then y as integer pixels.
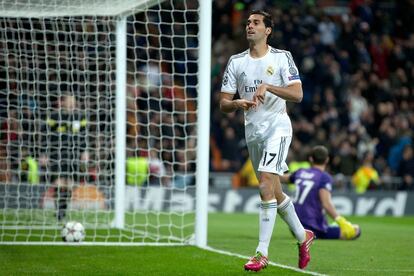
{"type": "Point", "coordinates": [320, 167]}
{"type": "Point", "coordinates": [258, 50]}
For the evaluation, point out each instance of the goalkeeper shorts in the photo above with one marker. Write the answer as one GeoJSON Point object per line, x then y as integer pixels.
{"type": "Point", "coordinates": [332, 233]}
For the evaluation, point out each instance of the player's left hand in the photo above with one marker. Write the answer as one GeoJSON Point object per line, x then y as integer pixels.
{"type": "Point", "coordinates": [347, 229]}
{"type": "Point", "coordinates": [259, 95]}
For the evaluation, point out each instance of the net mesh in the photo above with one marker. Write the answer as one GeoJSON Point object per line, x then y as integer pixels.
{"type": "Point", "coordinates": [57, 97]}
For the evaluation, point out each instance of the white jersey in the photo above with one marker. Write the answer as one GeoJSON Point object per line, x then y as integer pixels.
{"type": "Point", "coordinates": [244, 73]}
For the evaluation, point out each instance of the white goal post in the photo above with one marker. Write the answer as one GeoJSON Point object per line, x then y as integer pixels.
{"type": "Point", "coordinates": [105, 113]}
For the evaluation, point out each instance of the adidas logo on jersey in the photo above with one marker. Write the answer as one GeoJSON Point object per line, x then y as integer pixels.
{"type": "Point", "coordinates": [242, 76]}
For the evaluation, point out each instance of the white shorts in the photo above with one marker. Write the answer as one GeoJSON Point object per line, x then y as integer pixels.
{"type": "Point", "coordinates": [270, 155]}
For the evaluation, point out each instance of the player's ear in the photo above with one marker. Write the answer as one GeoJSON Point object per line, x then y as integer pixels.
{"type": "Point", "coordinates": [268, 30]}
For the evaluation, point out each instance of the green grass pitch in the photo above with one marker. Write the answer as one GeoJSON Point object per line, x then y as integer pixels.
{"type": "Point", "coordinates": [385, 248]}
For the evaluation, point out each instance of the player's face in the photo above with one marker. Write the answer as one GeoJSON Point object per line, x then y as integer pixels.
{"type": "Point", "coordinates": [69, 103]}
{"type": "Point", "coordinates": [255, 28]}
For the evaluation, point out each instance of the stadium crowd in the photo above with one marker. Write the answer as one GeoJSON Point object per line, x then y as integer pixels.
{"type": "Point", "coordinates": [355, 61]}
{"type": "Point", "coordinates": [356, 65]}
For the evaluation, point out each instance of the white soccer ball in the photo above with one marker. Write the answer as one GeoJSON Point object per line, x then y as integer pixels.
{"type": "Point", "coordinates": [73, 231]}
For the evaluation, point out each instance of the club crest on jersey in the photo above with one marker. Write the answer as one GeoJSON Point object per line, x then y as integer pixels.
{"type": "Point", "coordinates": [293, 71]}
{"type": "Point", "coordinates": [270, 71]}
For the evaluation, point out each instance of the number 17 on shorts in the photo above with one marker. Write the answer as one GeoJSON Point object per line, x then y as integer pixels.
{"type": "Point", "coordinates": [274, 154]}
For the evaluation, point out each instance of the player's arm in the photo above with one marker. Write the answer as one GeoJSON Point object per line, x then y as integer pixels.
{"type": "Point", "coordinates": [229, 89]}
{"type": "Point", "coordinates": [227, 104]}
{"type": "Point", "coordinates": [348, 230]}
{"type": "Point", "coordinates": [326, 201]}
{"type": "Point", "coordinates": [285, 179]}
{"type": "Point", "coordinates": [292, 92]}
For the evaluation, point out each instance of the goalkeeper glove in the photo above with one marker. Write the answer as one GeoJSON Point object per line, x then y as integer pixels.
{"type": "Point", "coordinates": [347, 229]}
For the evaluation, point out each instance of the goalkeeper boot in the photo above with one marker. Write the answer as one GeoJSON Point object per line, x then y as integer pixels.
{"type": "Point", "coordinates": [304, 255]}
{"type": "Point", "coordinates": [357, 231]}
{"type": "Point", "coordinates": [257, 262]}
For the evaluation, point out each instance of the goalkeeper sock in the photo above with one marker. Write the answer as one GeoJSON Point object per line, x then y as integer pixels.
{"type": "Point", "coordinates": [62, 197]}
{"type": "Point", "coordinates": [287, 211]}
{"type": "Point", "coordinates": [267, 216]}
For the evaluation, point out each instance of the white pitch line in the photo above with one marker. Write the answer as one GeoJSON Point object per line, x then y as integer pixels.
{"type": "Point", "coordinates": [125, 244]}
{"type": "Point", "coordinates": [378, 270]}
{"type": "Point", "coordinates": [271, 263]}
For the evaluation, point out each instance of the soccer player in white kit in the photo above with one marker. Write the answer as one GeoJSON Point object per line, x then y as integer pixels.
{"type": "Point", "coordinates": [265, 79]}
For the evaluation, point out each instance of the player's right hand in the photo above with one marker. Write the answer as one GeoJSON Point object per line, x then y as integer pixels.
{"type": "Point", "coordinates": [245, 104]}
{"type": "Point", "coordinates": [347, 229]}
{"type": "Point", "coordinates": [260, 94]}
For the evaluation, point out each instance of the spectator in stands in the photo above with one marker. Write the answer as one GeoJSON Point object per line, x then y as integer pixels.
{"type": "Point", "coordinates": [11, 133]}
{"type": "Point", "coordinates": [366, 177]}
{"type": "Point", "coordinates": [64, 146]}
{"type": "Point", "coordinates": [406, 168]}
{"type": "Point", "coordinates": [246, 176]}
{"type": "Point", "coordinates": [157, 171]}
{"type": "Point", "coordinates": [137, 171]}
{"type": "Point", "coordinates": [327, 30]}
{"type": "Point", "coordinates": [28, 168]}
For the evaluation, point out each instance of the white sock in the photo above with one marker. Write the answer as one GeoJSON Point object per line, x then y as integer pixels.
{"type": "Point", "coordinates": [267, 216]}
{"type": "Point", "coordinates": [287, 211]}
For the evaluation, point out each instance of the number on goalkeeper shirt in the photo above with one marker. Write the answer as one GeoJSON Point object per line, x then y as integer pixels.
{"type": "Point", "coordinates": [303, 187]}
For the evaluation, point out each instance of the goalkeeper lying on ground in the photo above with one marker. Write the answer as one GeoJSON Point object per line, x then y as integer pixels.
{"type": "Point", "coordinates": [313, 196]}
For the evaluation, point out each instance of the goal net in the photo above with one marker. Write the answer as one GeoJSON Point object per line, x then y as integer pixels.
{"type": "Point", "coordinates": [99, 119]}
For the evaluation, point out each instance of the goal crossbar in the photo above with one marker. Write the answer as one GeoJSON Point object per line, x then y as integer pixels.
{"type": "Point", "coordinates": [60, 8]}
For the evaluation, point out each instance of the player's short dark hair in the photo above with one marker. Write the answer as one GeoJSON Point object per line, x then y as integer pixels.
{"type": "Point", "coordinates": [267, 19]}
{"type": "Point", "coordinates": [319, 154]}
